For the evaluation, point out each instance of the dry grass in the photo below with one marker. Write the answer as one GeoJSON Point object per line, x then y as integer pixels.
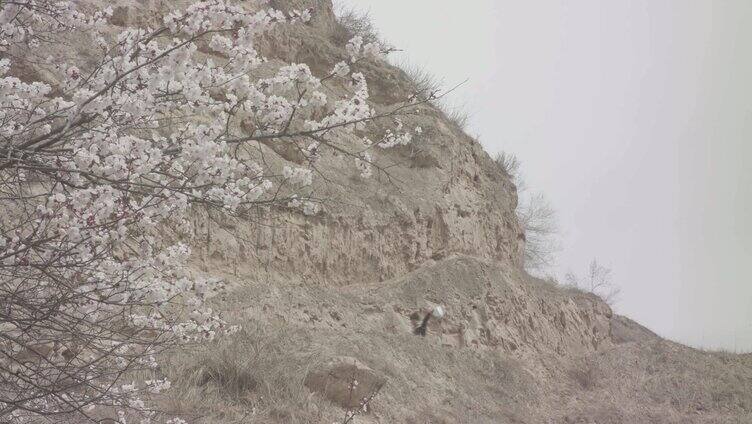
{"type": "Point", "coordinates": [586, 377]}
{"type": "Point", "coordinates": [457, 115]}
{"type": "Point", "coordinates": [427, 85]}
{"type": "Point", "coordinates": [257, 376]}
{"type": "Point", "coordinates": [254, 376]}
{"type": "Point", "coordinates": [509, 164]}
{"type": "Point", "coordinates": [423, 81]}
{"type": "Point", "coordinates": [353, 22]}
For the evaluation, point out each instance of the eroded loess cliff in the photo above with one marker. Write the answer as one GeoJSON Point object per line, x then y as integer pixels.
{"type": "Point", "coordinates": [335, 297]}
{"type": "Point", "coordinates": [439, 196]}
{"type": "Point", "coordinates": [345, 289]}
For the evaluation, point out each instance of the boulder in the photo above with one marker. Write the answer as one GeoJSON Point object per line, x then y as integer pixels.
{"type": "Point", "coordinates": [345, 381]}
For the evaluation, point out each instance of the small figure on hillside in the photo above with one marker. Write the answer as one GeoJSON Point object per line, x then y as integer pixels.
{"type": "Point", "coordinates": [437, 312]}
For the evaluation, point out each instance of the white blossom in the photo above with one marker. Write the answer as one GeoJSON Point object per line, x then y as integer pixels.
{"type": "Point", "coordinates": [341, 69]}
{"type": "Point", "coordinates": [301, 176]}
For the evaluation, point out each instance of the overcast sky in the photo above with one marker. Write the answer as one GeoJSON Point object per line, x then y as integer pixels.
{"type": "Point", "coordinates": [634, 117]}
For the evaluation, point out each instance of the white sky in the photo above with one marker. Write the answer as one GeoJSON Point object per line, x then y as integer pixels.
{"type": "Point", "coordinates": [634, 117]}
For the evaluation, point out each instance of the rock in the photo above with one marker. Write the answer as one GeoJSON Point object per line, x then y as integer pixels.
{"type": "Point", "coordinates": [345, 381]}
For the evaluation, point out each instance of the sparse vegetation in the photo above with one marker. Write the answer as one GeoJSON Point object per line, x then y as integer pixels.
{"type": "Point", "coordinates": [596, 280]}
{"type": "Point", "coordinates": [256, 376]}
{"type": "Point", "coordinates": [354, 23]}
{"type": "Point", "coordinates": [427, 85]}
{"type": "Point", "coordinates": [510, 164]}
{"type": "Point", "coordinates": [424, 81]}
{"type": "Point", "coordinates": [457, 115]}
{"type": "Point", "coordinates": [585, 377]}
{"type": "Point", "coordinates": [537, 218]}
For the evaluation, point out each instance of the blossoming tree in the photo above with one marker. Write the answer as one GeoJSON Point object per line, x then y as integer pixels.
{"type": "Point", "coordinates": [97, 159]}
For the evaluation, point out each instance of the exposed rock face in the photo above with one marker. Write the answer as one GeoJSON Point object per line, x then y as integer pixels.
{"type": "Point", "coordinates": [444, 196]}
{"type": "Point", "coordinates": [441, 195]}
{"type": "Point", "coordinates": [487, 307]}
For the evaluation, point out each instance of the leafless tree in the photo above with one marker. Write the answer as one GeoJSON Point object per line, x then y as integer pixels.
{"type": "Point", "coordinates": [597, 280]}
{"type": "Point", "coordinates": [536, 216]}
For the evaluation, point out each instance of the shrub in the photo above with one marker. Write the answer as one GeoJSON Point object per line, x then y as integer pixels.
{"type": "Point", "coordinates": [536, 216]}
{"type": "Point", "coordinates": [596, 280]}
{"type": "Point", "coordinates": [354, 23]}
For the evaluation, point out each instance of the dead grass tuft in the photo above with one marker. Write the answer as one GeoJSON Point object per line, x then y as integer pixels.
{"type": "Point", "coordinates": [457, 115]}
{"type": "Point", "coordinates": [508, 163]}
{"type": "Point", "coordinates": [353, 22]}
{"type": "Point", "coordinates": [586, 378]}
{"type": "Point", "coordinates": [255, 375]}
{"type": "Point", "coordinates": [426, 85]}
{"type": "Point", "coordinates": [424, 82]}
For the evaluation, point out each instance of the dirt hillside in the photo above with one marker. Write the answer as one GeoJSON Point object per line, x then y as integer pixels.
{"type": "Point", "coordinates": [331, 299]}
{"type": "Point", "coordinates": [343, 292]}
